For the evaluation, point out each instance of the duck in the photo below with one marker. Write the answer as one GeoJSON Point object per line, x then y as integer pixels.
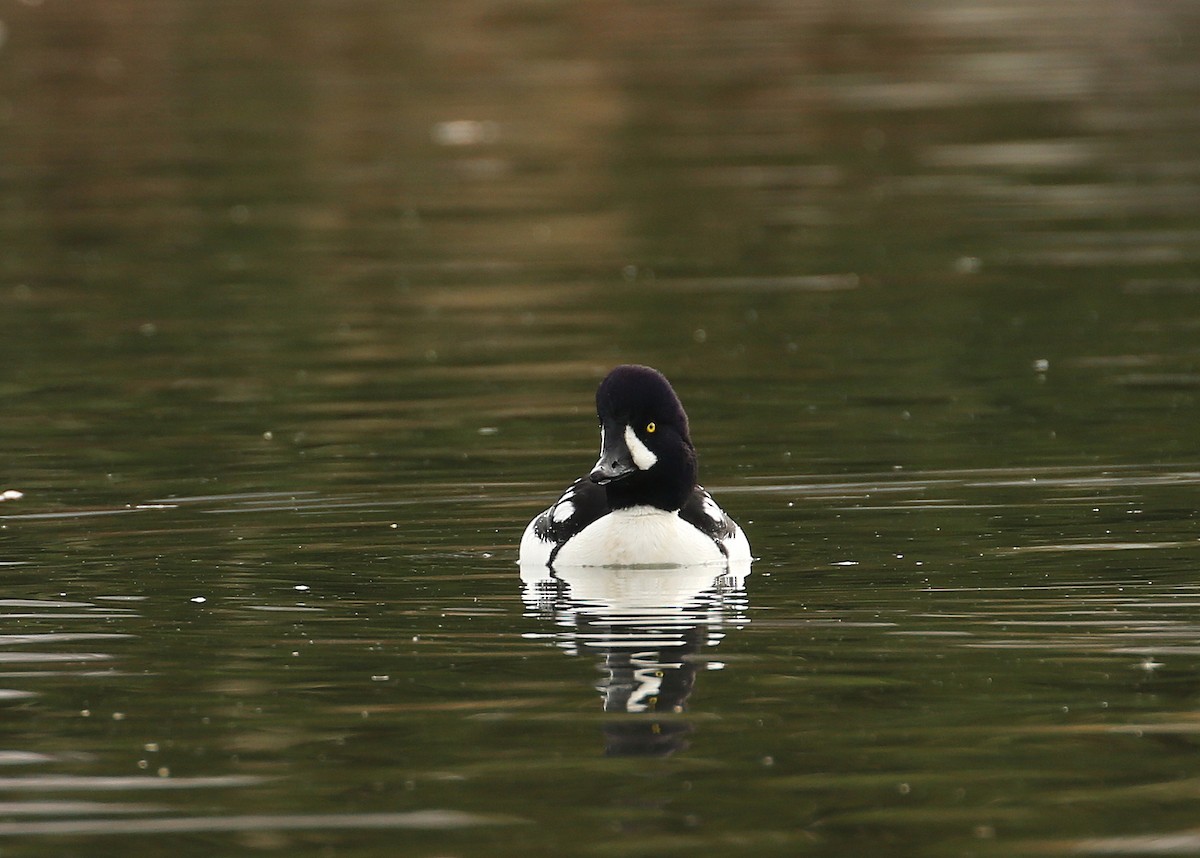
{"type": "Point", "coordinates": [640, 505]}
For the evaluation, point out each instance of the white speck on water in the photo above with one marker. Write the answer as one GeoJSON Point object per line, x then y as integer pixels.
{"type": "Point", "coordinates": [11, 495]}
{"type": "Point", "coordinates": [268, 435]}
{"type": "Point", "coordinates": [1041, 365]}
{"type": "Point", "coordinates": [844, 563]}
{"type": "Point", "coordinates": [1149, 664]}
{"type": "Point", "coordinates": [118, 716]}
{"type": "Point", "coordinates": [150, 747]}
{"type": "Point", "coordinates": [199, 600]}
{"type": "Point", "coordinates": [393, 525]}
{"type": "Point", "coordinates": [382, 677]}
{"type": "Point", "coordinates": [699, 335]}
{"type": "Point", "coordinates": [489, 430]}
{"type": "Point", "coordinates": [304, 588]}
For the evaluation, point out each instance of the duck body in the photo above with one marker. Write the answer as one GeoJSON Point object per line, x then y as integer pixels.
{"type": "Point", "coordinates": [640, 505]}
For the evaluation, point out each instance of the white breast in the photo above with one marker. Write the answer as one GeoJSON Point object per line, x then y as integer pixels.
{"type": "Point", "coordinates": [639, 536]}
{"type": "Point", "coordinates": [534, 551]}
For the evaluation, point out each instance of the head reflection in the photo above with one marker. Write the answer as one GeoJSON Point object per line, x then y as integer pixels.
{"type": "Point", "coordinates": [649, 629]}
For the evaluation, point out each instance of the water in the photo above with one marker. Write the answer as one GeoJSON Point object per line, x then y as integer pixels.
{"type": "Point", "coordinates": [302, 310]}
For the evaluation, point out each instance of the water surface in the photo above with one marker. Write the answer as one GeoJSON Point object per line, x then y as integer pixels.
{"type": "Point", "coordinates": [303, 309]}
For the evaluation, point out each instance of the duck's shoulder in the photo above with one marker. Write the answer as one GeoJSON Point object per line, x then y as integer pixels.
{"type": "Point", "coordinates": [581, 504]}
{"type": "Point", "coordinates": [704, 514]}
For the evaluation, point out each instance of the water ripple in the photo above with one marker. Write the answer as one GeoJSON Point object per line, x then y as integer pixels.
{"type": "Point", "coordinates": [430, 820]}
{"type": "Point", "coordinates": [102, 783]}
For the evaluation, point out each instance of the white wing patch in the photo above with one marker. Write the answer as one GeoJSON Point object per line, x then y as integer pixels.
{"type": "Point", "coordinates": [712, 510]}
{"type": "Point", "coordinates": [563, 510]}
{"type": "Point", "coordinates": [642, 456]}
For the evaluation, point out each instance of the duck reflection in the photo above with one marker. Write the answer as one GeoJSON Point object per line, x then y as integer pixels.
{"type": "Point", "coordinates": [647, 627]}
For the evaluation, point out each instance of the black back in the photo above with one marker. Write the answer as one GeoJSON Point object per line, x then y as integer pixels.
{"type": "Point", "coordinates": [702, 513]}
{"type": "Point", "coordinates": [590, 502]}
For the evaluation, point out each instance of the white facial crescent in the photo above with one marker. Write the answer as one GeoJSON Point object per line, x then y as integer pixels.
{"type": "Point", "coordinates": [642, 456]}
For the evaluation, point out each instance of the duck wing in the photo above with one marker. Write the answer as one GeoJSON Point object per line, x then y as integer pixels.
{"type": "Point", "coordinates": [581, 504]}
{"type": "Point", "coordinates": [704, 514]}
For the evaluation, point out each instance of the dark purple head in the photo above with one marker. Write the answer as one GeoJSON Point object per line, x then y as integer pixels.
{"type": "Point", "coordinates": [646, 453]}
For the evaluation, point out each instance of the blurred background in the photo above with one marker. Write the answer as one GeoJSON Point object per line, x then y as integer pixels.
{"type": "Point", "coordinates": [319, 218]}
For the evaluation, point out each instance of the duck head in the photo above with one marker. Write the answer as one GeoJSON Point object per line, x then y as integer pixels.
{"type": "Point", "coordinates": [646, 454]}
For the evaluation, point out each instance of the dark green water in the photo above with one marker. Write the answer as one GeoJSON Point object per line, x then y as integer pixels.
{"type": "Point", "coordinates": [302, 306]}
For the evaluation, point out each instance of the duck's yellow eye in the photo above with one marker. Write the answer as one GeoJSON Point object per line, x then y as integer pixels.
{"type": "Point", "coordinates": [650, 427]}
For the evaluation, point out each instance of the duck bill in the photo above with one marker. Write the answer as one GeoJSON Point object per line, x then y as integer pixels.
{"type": "Point", "coordinates": [615, 459]}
